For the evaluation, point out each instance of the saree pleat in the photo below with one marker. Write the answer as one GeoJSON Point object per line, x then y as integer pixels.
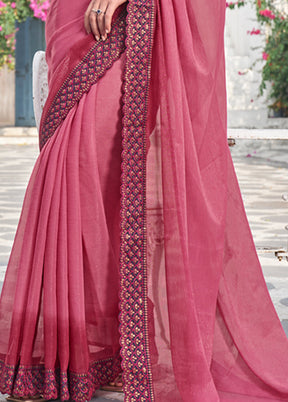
{"type": "Point", "coordinates": [65, 307]}
{"type": "Point", "coordinates": [133, 251]}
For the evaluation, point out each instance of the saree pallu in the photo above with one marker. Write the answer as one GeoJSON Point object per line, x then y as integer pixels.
{"type": "Point", "coordinates": [133, 252]}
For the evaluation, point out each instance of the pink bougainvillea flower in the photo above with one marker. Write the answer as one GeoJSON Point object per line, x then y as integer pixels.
{"type": "Point", "coordinates": [39, 8]}
{"type": "Point", "coordinates": [11, 10]}
{"type": "Point", "coordinates": [254, 32]}
{"type": "Point", "coordinates": [233, 3]}
{"type": "Point", "coordinates": [265, 56]}
{"type": "Point", "coordinates": [267, 13]}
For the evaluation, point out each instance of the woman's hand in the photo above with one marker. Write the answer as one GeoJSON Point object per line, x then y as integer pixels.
{"type": "Point", "coordinates": [100, 24]}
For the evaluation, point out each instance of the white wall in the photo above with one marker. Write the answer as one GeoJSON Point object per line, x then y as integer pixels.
{"type": "Point", "coordinates": [7, 97]}
{"type": "Point", "coordinates": [246, 108]}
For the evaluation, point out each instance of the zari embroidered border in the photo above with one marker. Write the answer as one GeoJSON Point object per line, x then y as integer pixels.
{"type": "Point", "coordinates": [90, 69]}
{"type": "Point", "coordinates": [133, 271]}
{"type": "Point", "coordinates": [53, 384]}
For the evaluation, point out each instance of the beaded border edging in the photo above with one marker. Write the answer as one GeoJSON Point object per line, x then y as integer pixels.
{"type": "Point", "coordinates": [87, 72]}
{"type": "Point", "coordinates": [134, 339]}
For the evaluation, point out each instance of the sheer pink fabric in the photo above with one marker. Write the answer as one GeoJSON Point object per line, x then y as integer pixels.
{"type": "Point", "coordinates": [213, 334]}
{"type": "Point", "coordinates": [219, 337]}
{"type": "Point", "coordinates": [59, 303]}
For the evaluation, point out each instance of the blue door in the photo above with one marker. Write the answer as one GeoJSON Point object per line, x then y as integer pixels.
{"type": "Point", "coordinates": [29, 38]}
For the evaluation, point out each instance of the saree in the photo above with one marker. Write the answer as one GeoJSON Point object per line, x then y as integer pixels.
{"type": "Point", "coordinates": [133, 252]}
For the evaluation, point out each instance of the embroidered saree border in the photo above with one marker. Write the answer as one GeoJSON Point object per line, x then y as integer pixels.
{"type": "Point", "coordinates": [53, 384]}
{"type": "Point", "coordinates": [86, 73]}
{"type": "Point", "coordinates": [133, 265]}
{"type": "Point", "coordinates": [134, 340]}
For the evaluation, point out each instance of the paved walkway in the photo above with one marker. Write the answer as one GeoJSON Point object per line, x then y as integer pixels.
{"type": "Point", "coordinates": [100, 396]}
{"type": "Point", "coordinates": [262, 169]}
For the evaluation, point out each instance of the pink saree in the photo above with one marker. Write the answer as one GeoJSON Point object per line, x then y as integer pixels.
{"type": "Point", "coordinates": [133, 251]}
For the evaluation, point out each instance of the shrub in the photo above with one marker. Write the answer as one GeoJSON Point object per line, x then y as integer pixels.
{"type": "Point", "coordinates": [10, 12]}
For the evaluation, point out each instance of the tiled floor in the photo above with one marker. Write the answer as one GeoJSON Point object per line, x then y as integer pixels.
{"type": "Point", "coordinates": [100, 396]}
{"type": "Point", "coordinates": [262, 169]}
{"type": "Point", "coordinates": [16, 163]}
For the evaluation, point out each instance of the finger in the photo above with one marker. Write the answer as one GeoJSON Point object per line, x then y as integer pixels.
{"type": "Point", "coordinates": [110, 12]}
{"type": "Point", "coordinates": [93, 21]}
{"type": "Point", "coordinates": [86, 17]}
{"type": "Point", "coordinates": [101, 19]}
{"type": "Point", "coordinates": [108, 17]}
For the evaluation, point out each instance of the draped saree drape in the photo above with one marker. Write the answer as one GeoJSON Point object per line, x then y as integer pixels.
{"type": "Point", "coordinates": [133, 252]}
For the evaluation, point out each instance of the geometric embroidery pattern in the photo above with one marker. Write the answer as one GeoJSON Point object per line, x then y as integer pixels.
{"type": "Point", "coordinates": [52, 384]}
{"type": "Point", "coordinates": [133, 270]}
{"type": "Point", "coordinates": [89, 70]}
